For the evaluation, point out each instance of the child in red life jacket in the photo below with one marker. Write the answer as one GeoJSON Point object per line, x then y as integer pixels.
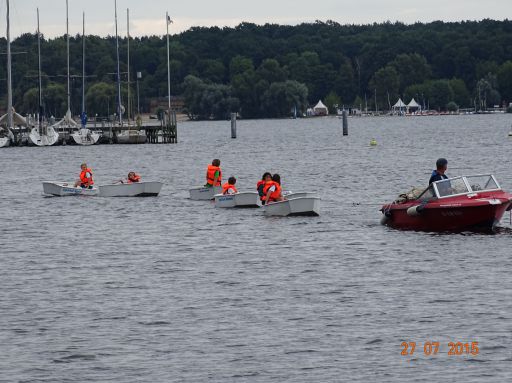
{"type": "Point", "coordinates": [229, 187]}
{"type": "Point", "coordinates": [214, 174]}
{"type": "Point", "coordinates": [267, 177]}
{"type": "Point", "coordinates": [85, 180]}
{"type": "Point", "coordinates": [272, 190]}
{"type": "Point", "coordinates": [133, 177]}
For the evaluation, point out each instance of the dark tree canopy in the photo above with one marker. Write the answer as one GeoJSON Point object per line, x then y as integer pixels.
{"type": "Point", "coordinates": [268, 70]}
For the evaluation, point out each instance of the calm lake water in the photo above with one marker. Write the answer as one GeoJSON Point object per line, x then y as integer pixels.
{"type": "Point", "coordinates": [171, 290]}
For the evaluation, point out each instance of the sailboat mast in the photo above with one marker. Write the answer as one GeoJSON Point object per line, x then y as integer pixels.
{"type": "Point", "coordinates": [167, 22]}
{"type": "Point", "coordinates": [128, 56]}
{"type": "Point", "coordinates": [83, 63]}
{"type": "Point", "coordinates": [9, 74]}
{"type": "Point", "coordinates": [39, 75]}
{"type": "Point", "coordinates": [118, 71]}
{"type": "Point", "coordinates": [67, 44]}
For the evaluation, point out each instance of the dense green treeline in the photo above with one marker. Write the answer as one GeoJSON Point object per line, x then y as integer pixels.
{"type": "Point", "coordinates": [266, 71]}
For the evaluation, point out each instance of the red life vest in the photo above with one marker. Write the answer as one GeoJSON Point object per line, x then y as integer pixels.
{"type": "Point", "coordinates": [86, 180]}
{"type": "Point", "coordinates": [135, 178]}
{"type": "Point", "coordinates": [227, 186]}
{"type": "Point", "coordinates": [210, 175]}
{"type": "Point", "coordinates": [275, 194]}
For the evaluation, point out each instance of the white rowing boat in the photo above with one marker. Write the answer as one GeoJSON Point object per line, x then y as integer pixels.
{"type": "Point", "coordinates": [241, 200]}
{"type": "Point", "coordinates": [63, 189]}
{"type": "Point", "coordinates": [204, 194]}
{"type": "Point", "coordinates": [136, 189]}
{"type": "Point", "coordinates": [295, 206]}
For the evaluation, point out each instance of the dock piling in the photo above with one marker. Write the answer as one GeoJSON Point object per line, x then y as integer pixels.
{"type": "Point", "coordinates": [345, 123]}
{"type": "Point", "coordinates": [233, 125]}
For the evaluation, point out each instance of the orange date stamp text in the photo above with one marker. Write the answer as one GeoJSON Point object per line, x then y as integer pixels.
{"type": "Point", "coordinates": [434, 348]}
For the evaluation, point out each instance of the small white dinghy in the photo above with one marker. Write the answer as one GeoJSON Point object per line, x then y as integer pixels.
{"type": "Point", "coordinates": [63, 189]}
{"type": "Point", "coordinates": [204, 194]}
{"type": "Point", "coordinates": [136, 189]}
{"type": "Point", "coordinates": [295, 206]}
{"type": "Point", "coordinates": [240, 200]}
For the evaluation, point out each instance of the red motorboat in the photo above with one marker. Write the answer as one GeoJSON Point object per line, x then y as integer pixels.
{"type": "Point", "coordinates": [455, 204]}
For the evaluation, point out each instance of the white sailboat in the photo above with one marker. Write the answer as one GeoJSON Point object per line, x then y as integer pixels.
{"type": "Point", "coordinates": [6, 136]}
{"type": "Point", "coordinates": [84, 136]}
{"type": "Point", "coordinates": [41, 135]}
{"type": "Point", "coordinates": [67, 124]}
{"type": "Point", "coordinates": [132, 135]}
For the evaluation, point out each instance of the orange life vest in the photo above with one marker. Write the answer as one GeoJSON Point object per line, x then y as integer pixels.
{"type": "Point", "coordinates": [135, 178]}
{"type": "Point", "coordinates": [275, 194]}
{"type": "Point", "coordinates": [227, 186]}
{"type": "Point", "coordinates": [84, 179]}
{"type": "Point", "coordinates": [210, 175]}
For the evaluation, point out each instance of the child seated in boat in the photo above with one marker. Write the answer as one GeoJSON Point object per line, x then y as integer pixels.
{"type": "Point", "coordinates": [214, 174]}
{"type": "Point", "coordinates": [267, 177]}
{"type": "Point", "coordinates": [272, 190]}
{"type": "Point", "coordinates": [85, 180]}
{"type": "Point", "coordinates": [133, 177]}
{"type": "Point", "coordinates": [229, 187]}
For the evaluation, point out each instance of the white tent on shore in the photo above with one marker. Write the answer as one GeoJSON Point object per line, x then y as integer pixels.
{"type": "Point", "coordinates": [413, 105]}
{"type": "Point", "coordinates": [320, 109]}
{"type": "Point", "coordinates": [399, 104]}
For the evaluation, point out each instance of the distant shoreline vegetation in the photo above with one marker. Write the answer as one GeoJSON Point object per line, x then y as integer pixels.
{"type": "Point", "coordinates": [263, 71]}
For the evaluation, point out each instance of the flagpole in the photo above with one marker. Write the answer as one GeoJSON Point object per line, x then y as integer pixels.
{"type": "Point", "coordinates": [167, 22]}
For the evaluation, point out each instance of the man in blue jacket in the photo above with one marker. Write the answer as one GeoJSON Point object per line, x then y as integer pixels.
{"type": "Point", "coordinates": [438, 174]}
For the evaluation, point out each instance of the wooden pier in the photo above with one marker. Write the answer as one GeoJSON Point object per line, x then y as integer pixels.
{"type": "Point", "coordinates": [151, 131]}
{"type": "Point", "coordinates": [166, 133]}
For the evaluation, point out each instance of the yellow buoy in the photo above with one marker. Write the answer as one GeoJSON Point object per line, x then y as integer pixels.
{"type": "Point", "coordinates": [373, 142]}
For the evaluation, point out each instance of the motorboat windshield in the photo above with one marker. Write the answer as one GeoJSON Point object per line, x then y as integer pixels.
{"type": "Point", "coordinates": [465, 185]}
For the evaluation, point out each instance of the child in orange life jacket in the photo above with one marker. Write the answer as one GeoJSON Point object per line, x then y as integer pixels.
{"type": "Point", "coordinates": [85, 180]}
{"type": "Point", "coordinates": [267, 177]}
{"type": "Point", "coordinates": [229, 187]}
{"type": "Point", "coordinates": [133, 177]}
{"type": "Point", "coordinates": [214, 174]}
{"type": "Point", "coordinates": [272, 190]}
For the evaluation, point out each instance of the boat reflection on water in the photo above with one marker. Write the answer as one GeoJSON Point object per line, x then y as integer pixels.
{"type": "Point", "coordinates": [462, 203]}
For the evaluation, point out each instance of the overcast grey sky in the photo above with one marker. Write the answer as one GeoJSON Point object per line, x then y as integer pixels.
{"type": "Point", "coordinates": [148, 16]}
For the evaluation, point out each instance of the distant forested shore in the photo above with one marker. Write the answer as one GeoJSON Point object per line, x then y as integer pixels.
{"type": "Point", "coordinates": [270, 70]}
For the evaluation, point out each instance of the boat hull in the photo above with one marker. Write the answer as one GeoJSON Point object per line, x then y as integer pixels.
{"type": "Point", "coordinates": [292, 195]}
{"type": "Point", "coordinates": [238, 200]}
{"type": "Point", "coordinates": [50, 138]}
{"type": "Point", "coordinates": [4, 142]}
{"type": "Point", "coordinates": [203, 193]}
{"type": "Point", "coordinates": [85, 137]}
{"type": "Point", "coordinates": [137, 189]}
{"type": "Point", "coordinates": [454, 218]}
{"type": "Point", "coordinates": [300, 206]}
{"type": "Point", "coordinates": [63, 189]}
{"type": "Point", "coordinates": [131, 137]}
